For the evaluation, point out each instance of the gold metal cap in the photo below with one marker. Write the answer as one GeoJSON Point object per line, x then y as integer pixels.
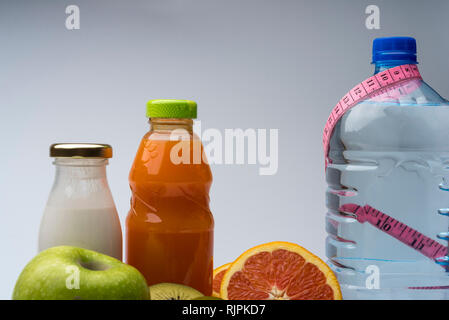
{"type": "Point", "coordinates": [80, 150]}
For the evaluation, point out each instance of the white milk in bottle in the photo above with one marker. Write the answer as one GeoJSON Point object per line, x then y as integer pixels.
{"type": "Point", "coordinates": [80, 210]}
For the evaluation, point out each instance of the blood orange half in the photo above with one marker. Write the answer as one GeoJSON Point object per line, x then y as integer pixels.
{"type": "Point", "coordinates": [218, 276]}
{"type": "Point", "coordinates": [279, 271]}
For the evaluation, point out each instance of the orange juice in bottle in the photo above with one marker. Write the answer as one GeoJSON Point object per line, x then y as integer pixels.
{"type": "Point", "coordinates": [169, 229]}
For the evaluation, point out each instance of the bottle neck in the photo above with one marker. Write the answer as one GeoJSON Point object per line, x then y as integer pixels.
{"type": "Point", "coordinates": [170, 124]}
{"type": "Point", "coordinates": [79, 169]}
{"type": "Point", "coordinates": [380, 66]}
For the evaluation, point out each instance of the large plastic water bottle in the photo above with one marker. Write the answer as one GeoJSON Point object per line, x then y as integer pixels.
{"type": "Point", "coordinates": [388, 183]}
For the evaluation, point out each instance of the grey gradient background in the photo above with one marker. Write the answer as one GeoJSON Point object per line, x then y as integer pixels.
{"type": "Point", "coordinates": [248, 64]}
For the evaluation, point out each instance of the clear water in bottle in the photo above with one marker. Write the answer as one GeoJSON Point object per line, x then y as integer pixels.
{"type": "Point", "coordinates": [390, 152]}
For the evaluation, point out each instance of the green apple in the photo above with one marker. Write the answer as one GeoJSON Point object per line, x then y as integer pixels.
{"type": "Point", "coordinates": [66, 273]}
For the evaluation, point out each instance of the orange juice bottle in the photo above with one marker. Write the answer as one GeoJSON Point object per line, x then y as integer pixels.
{"type": "Point", "coordinates": [169, 229]}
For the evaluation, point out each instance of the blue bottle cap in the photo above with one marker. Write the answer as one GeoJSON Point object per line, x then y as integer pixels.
{"type": "Point", "coordinates": [394, 49]}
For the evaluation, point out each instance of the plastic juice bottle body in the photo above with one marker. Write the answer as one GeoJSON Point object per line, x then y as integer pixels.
{"type": "Point", "coordinates": [391, 153]}
{"type": "Point", "coordinates": [80, 210]}
{"type": "Point", "coordinates": [170, 226]}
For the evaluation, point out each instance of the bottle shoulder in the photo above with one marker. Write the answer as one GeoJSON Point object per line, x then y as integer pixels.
{"type": "Point", "coordinates": [163, 158]}
{"type": "Point", "coordinates": [415, 92]}
{"type": "Point", "coordinates": [411, 115]}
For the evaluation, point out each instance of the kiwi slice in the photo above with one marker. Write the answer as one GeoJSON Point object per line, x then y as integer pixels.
{"type": "Point", "coordinates": [207, 298]}
{"type": "Point", "coordinates": [173, 291]}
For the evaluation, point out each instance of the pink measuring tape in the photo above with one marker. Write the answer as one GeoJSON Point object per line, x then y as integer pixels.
{"type": "Point", "coordinates": [388, 81]}
{"type": "Point", "coordinates": [407, 235]}
{"type": "Point", "coordinates": [373, 86]}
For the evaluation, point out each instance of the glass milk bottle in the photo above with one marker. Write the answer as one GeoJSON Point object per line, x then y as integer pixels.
{"type": "Point", "coordinates": [80, 210]}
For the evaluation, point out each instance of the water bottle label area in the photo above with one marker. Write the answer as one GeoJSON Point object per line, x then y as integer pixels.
{"type": "Point", "coordinates": [400, 231]}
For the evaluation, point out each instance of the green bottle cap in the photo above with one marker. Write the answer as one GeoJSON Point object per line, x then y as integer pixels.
{"type": "Point", "coordinates": [171, 108]}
